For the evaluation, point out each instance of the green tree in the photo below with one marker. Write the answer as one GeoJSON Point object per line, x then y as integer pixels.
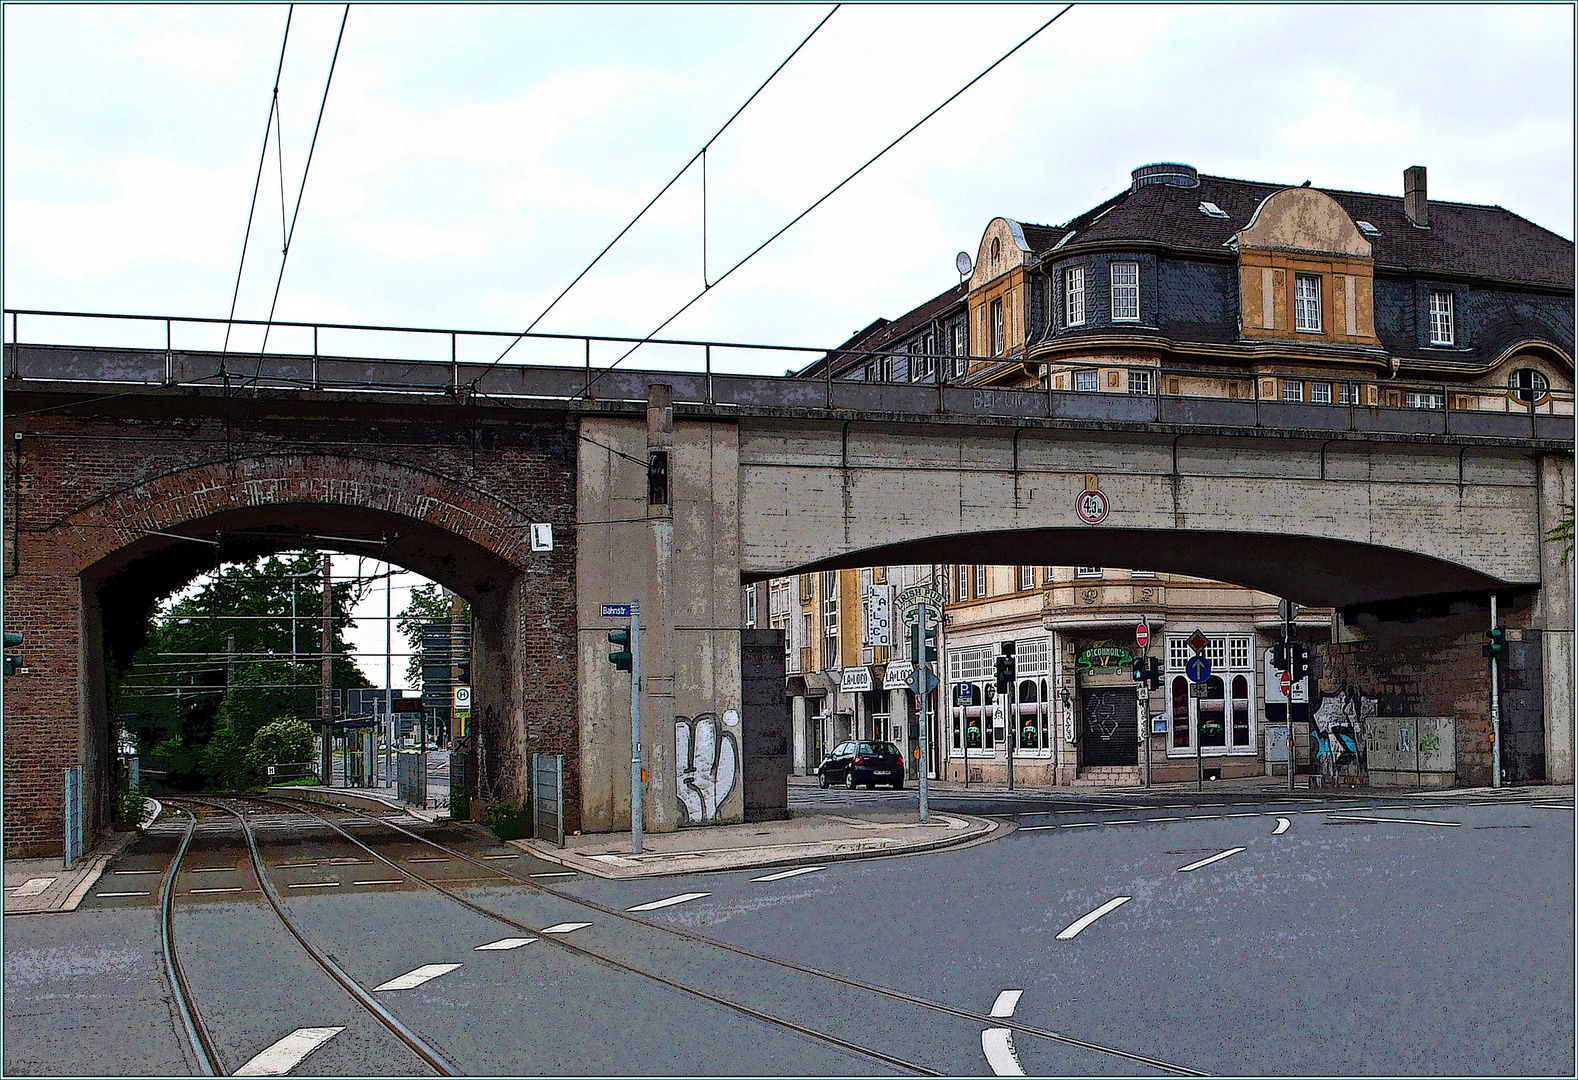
{"type": "Point", "coordinates": [280, 742]}
{"type": "Point", "coordinates": [175, 685]}
{"type": "Point", "coordinates": [428, 604]}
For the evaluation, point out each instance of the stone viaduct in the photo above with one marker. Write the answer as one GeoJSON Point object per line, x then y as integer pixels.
{"type": "Point", "coordinates": [130, 471]}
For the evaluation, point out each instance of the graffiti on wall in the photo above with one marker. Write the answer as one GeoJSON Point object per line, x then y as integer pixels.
{"type": "Point", "coordinates": [1338, 729]}
{"type": "Point", "coordinates": [708, 758]}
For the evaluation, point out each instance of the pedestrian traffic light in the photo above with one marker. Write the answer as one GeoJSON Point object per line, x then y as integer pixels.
{"type": "Point", "coordinates": [13, 660]}
{"type": "Point", "coordinates": [1298, 661]}
{"type": "Point", "coordinates": [620, 638]}
{"type": "Point", "coordinates": [1495, 642]}
{"type": "Point", "coordinates": [1279, 656]}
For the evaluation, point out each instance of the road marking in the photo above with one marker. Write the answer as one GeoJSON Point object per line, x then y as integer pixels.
{"type": "Point", "coordinates": [286, 1054]}
{"type": "Point", "coordinates": [998, 1046]}
{"type": "Point", "coordinates": [34, 886]}
{"type": "Point", "coordinates": [1202, 817]}
{"type": "Point", "coordinates": [1218, 857]}
{"type": "Point", "coordinates": [1037, 828]}
{"type": "Point", "coordinates": [427, 858]}
{"type": "Point", "coordinates": [293, 865]}
{"type": "Point", "coordinates": [345, 861]}
{"type": "Point", "coordinates": [556, 873]}
{"type": "Point", "coordinates": [564, 927]}
{"type": "Point", "coordinates": [1083, 921]}
{"type": "Point", "coordinates": [315, 885]}
{"type": "Point", "coordinates": [1124, 821]}
{"type": "Point", "coordinates": [380, 881]}
{"type": "Point", "coordinates": [1163, 819]}
{"type": "Point", "coordinates": [1398, 820]}
{"type": "Point", "coordinates": [1006, 1003]}
{"type": "Point", "coordinates": [119, 872]}
{"type": "Point", "coordinates": [1532, 806]}
{"type": "Point", "coordinates": [1283, 824]}
{"type": "Point", "coordinates": [505, 943]}
{"type": "Point", "coordinates": [498, 856]}
{"type": "Point", "coordinates": [231, 888]}
{"type": "Point", "coordinates": [1240, 815]}
{"type": "Point", "coordinates": [682, 898]}
{"type": "Point", "coordinates": [1080, 825]}
{"type": "Point", "coordinates": [796, 872]}
{"type": "Point", "coordinates": [97, 894]}
{"type": "Point", "coordinates": [210, 869]}
{"type": "Point", "coordinates": [417, 977]}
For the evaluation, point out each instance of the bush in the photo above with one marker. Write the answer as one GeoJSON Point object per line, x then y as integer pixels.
{"type": "Point", "coordinates": [224, 759]}
{"type": "Point", "coordinates": [507, 821]}
{"type": "Point", "coordinates": [281, 742]}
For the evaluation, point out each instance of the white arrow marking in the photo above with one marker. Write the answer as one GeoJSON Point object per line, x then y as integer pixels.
{"type": "Point", "coordinates": [1006, 1003]}
{"type": "Point", "coordinates": [796, 872]}
{"type": "Point", "coordinates": [682, 898]}
{"type": "Point", "coordinates": [286, 1054]}
{"type": "Point", "coordinates": [1218, 857]}
{"type": "Point", "coordinates": [1083, 921]}
{"type": "Point", "coordinates": [505, 943]}
{"type": "Point", "coordinates": [998, 1046]}
{"type": "Point", "coordinates": [417, 977]}
{"type": "Point", "coordinates": [1283, 825]}
{"type": "Point", "coordinates": [564, 927]}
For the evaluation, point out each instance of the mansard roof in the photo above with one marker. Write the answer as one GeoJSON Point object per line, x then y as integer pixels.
{"type": "Point", "coordinates": [1463, 239]}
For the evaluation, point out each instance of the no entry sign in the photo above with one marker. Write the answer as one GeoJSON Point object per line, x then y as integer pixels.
{"type": "Point", "coordinates": [1142, 634]}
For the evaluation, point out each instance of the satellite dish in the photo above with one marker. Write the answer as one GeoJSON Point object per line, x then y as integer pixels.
{"type": "Point", "coordinates": [962, 262]}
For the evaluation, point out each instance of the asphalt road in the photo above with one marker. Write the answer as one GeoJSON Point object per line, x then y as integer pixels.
{"type": "Point", "coordinates": [1356, 939]}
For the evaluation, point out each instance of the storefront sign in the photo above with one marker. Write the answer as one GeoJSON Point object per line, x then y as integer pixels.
{"type": "Point", "coordinates": [894, 678]}
{"type": "Point", "coordinates": [1104, 656]}
{"type": "Point", "coordinates": [855, 678]}
{"type": "Point", "coordinates": [879, 615]}
{"type": "Point", "coordinates": [916, 597]}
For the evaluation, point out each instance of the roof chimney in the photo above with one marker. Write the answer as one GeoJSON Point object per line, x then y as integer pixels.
{"type": "Point", "coordinates": [1415, 205]}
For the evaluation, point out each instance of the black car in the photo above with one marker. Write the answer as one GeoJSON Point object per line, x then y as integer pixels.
{"type": "Point", "coordinates": [869, 763]}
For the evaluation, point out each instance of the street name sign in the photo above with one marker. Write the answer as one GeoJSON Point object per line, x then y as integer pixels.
{"type": "Point", "coordinates": [616, 611]}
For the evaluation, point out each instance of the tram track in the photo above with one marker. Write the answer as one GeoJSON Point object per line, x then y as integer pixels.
{"type": "Point", "coordinates": [310, 810]}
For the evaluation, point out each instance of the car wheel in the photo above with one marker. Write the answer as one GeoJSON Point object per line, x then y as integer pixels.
{"type": "Point", "coordinates": [821, 779]}
{"type": "Point", "coordinates": [849, 779]}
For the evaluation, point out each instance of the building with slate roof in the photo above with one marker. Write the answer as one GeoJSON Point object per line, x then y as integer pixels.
{"type": "Point", "coordinates": [1185, 285]}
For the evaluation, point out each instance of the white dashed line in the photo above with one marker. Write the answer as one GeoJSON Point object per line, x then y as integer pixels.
{"type": "Point", "coordinates": [796, 872]}
{"type": "Point", "coordinates": [682, 898]}
{"type": "Point", "coordinates": [380, 881]}
{"type": "Point", "coordinates": [427, 858]}
{"type": "Point", "coordinates": [293, 865]}
{"type": "Point", "coordinates": [194, 892]}
{"type": "Point", "coordinates": [117, 873]}
{"type": "Point", "coordinates": [505, 943]}
{"type": "Point", "coordinates": [1218, 857]}
{"type": "Point", "coordinates": [1080, 825]}
{"type": "Point", "coordinates": [498, 856]}
{"type": "Point", "coordinates": [564, 927]}
{"type": "Point", "coordinates": [1548, 806]}
{"type": "Point", "coordinates": [315, 885]}
{"type": "Point", "coordinates": [1083, 921]}
{"type": "Point", "coordinates": [1163, 819]}
{"type": "Point", "coordinates": [998, 1046]}
{"type": "Point", "coordinates": [1240, 815]}
{"type": "Point", "coordinates": [286, 1054]}
{"type": "Point", "coordinates": [557, 873]}
{"type": "Point", "coordinates": [210, 869]}
{"type": "Point", "coordinates": [417, 977]}
{"type": "Point", "coordinates": [1283, 824]}
{"type": "Point", "coordinates": [1006, 1003]}
{"type": "Point", "coordinates": [98, 894]}
{"type": "Point", "coordinates": [1037, 828]}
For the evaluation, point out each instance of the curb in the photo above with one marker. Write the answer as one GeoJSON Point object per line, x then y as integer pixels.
{"type": "Point", "coordinates": [583, 864]}
{"type": "Point", "coordinates": [336, 796]}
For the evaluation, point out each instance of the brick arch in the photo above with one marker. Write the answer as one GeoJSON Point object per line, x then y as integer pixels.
{"type": "Point", "coordinates": [168, 501]}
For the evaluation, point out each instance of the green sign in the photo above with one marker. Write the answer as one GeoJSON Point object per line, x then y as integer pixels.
{"type": "Point", "coordinates": [1104, 656]}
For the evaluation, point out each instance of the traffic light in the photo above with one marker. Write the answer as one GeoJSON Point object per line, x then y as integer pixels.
{"type": "Point", "coordinates": [1279, 656]}
{"type": "Point", "coordinates": [13, 660]}
{"type": "Point", "coordinates": [929, 652]}
{"type": "Point", "coordinates": [1495, 642]}
{"type": "Point", "coordinates": [1005, 673]}
{"type": "Point", "coordinates": [1153, 672]}
{"type": "Point", "coordinates": [620, 638]}
{"type": "Point", "coordinates": [1298, 661]}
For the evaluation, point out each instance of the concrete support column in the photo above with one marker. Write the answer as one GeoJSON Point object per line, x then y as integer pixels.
{"type": "Point", "coordinates": [1554, 615]}
{"type": "Point", "coordinates": [799, 734]}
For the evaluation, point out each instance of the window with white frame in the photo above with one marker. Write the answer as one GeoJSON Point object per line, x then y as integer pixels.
{"type": "Point", "coordinates": [1177, 653]}
{"type": "Point", "coordinates": [1528, 384]}
{"type": "Point", "coordinates": [1074, 296]}
{"type": "Point", "coordinates": [1306, 302]}
{"type": "Point", "coordinates": [1216, 652]}
{"type": "Point", "coordinates": [1222, 721]}
{"type": "Point", "coordinates": [778, 600]}
{"type": "Point", "coordinates": [1027, 577]}
{"type": "Point", "coordinates": [997, 327]}
{"type": "Point", "coordinates": [963, 591]}
{"type": "Point", "coordinates": [959, 342]}
{"type": "Point", "coordinates": [1347, 394]}
{"type": "Point", "coordinates": [1033, 656]}
{"type": "Point", "coordinates": [1087, 571]}
{"type": "Point", "coordinates": [980, 581]}
{"type": "Point", "coordinates": [1320, 393]}
{"type": "Point", "coordinates": [1125, 292]}
{"type": "Point", "coordinates": [1440, 317]}
{"type": "Point", "coordinates": [830, 650]}
{"type": "Point", "coordinates": [1087, 381]}
{"type": "Point", "coordinates": [1139, 382]}
{"type": "Point", "coordinates": [1422, 400]}
{"type": "Point", "coordinates": [1238, 653]}
{"type": "Point", "coordinates": [1142, 573]}
{"type": "Point", "coordinates": [750, 607]}
{"type": "Point", "coordinates": [1292, 390]}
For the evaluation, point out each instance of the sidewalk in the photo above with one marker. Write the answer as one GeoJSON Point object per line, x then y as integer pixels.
{"type": "Point", "coordinates": [42, 887]}
{"type": "Point", "coordinates": [803, 839]}
{"type": "Point", "coordinates": [1244, 785]}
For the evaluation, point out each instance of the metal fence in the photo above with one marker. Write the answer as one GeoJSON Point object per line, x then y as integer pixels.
{"type": "Point", "coordinates": [411, 778]}
{"type": "Point", "coordinates": [547, 772]}
{"type": "Point", "coordinates": [73, 782]}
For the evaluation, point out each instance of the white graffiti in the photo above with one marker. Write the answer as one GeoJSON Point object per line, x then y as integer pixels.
{"type": "Point", "coordinates": [708, 760]}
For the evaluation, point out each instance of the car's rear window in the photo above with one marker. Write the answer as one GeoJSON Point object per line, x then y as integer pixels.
{"type": "Point", "coordinates": [879, 748]}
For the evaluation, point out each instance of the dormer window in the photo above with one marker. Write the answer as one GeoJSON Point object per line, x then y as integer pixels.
{"type": "Point", "coordinates": [1440, 317]}
{"type": "Point", "coordinates": [1528, 384]}
{"type": "Point", "coordinates": [1125, 292]}
{"type": "Point", "coordinates": [997, 249]}
{"type": "Point", "coordinates": [1074, 296]}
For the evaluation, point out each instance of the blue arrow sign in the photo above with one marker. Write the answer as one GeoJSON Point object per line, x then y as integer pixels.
{"type": "Point", "coordinates": [927, 682]}
{"type": "Point", "coordinates": [1198, 669]}
{"type": "Point", "coordinates": [616, 611]}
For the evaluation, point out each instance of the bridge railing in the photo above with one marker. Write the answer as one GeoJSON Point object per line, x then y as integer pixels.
{"type": "Point", "coordinates": [93, 348]}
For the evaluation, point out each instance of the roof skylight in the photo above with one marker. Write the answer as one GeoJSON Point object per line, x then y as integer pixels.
{"type": "Point", "coordinates": [1210, 209]}
{"type": "Point", "coordinates": [1367, 229]}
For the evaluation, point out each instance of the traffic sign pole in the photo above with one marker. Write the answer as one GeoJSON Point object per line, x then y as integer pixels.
{"type": "Point", "coordinates": [637, 823]}
{"type": "Point", "coordinates": [925, 725]}
{"type": "Point", "coordinates": [1495, 709]}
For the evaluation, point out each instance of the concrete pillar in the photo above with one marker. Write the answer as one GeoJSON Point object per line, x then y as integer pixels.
{"type": "Point", "coordinates": [1554, 615]}
{"type": "Point", "coordinates": [799, 735]}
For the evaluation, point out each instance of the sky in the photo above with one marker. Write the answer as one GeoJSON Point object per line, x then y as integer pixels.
{"type": "Point", "coordinates": [472, 160]}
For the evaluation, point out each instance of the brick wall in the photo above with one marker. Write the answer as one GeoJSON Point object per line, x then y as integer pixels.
{"type": "Point", "coordinates": [456, 487]}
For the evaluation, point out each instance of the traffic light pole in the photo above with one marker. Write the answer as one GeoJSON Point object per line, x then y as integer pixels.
{"type": "Point", "coordinates": [1495, 708]}
{"type": "Point", "coordinates": [1013, 730]}
{"type": "Point", "coordinates": [636, 813]}
{"type": "Point", "coordinates": [925, 720]}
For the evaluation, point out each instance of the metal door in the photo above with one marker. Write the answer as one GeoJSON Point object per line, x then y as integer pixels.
{"type": "Point", "coordinates": [548, 797]}
{"type": "Point", "coordinates": [73, 845]}
{"type": "Point", "coordinates": [1112, 733]}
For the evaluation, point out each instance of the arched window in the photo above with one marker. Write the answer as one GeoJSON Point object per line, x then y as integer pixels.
{"type": "Point", "coordinates": [1028, 721]}
{"type": "Point", "coordinates": [1528, 384]}
{"type": "Point", "coordinates": [1212, 719]}
{"type": "Point", "coordinates": [997, 248]}
{"type": "Point", "coordinates": [1240, 711]}
{"type": "Point", "coordinates": [1181, 712]}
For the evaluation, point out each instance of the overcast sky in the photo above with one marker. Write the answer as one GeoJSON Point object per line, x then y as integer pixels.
{"type": "Point", "coordinates": [473, 159]}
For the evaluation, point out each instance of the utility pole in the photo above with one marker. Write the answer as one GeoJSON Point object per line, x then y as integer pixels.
{"type": "Point", "coordinates": [230, 660]}
{"type": "Point", "coordinates": [925, 720]}
{"type": "Point", "coordinates": [326, 687]}
{"type": "Point", "coordinates": [389, 671]}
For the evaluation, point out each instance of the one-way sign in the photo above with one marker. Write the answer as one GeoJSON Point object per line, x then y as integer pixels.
{"type": "Point", "coordinates": [1198, 668]}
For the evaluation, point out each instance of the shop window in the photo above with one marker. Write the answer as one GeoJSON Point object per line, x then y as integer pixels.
{"type": "Point", "coordinates": [1031, 725]}
{"type": "Point", "coordinates": [1180, 717]}
{"type": "Point", "coordinates": [992, 720]}
{"type": "Point", "coordinates": [1240, 711]}
{"type": "Point", "coordinates": [1212, 714]}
